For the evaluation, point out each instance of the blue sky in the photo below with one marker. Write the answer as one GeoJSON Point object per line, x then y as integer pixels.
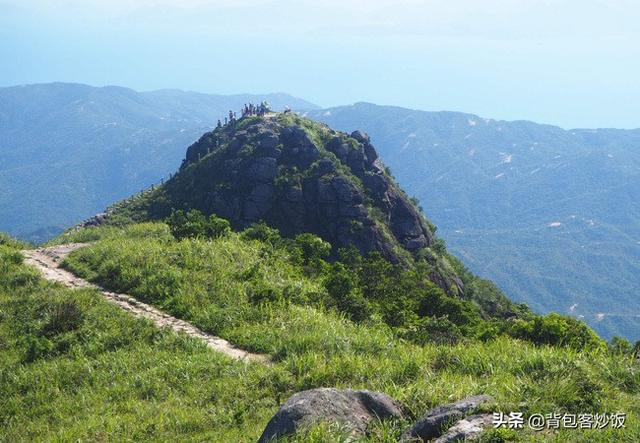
{"type": "Point", "coordinates": [565, 62]}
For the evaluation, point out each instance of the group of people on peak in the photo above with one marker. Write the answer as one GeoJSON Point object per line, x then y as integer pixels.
{"type": "Point", "coordinates": [248, 110]}
{"type": "Point", "coordinates": [259, 110]}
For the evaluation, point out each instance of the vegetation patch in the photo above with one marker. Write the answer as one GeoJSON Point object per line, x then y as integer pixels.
{"type": "Point", "coordinates": [74, 367]}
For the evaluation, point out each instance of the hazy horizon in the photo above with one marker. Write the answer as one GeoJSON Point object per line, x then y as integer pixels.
{"type": "Point", "coordinates": [258, 93]}
{"type": "Point", "coordinates": [494, 59]}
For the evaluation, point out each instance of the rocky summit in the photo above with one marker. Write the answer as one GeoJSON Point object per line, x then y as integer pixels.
{"type": "Point", "coordinates": [300, 176]}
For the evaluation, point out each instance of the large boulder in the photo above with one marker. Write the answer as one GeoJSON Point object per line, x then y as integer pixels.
{"type": "Point", "coordinates": [361, 136]}
{"type": "Point", "coordinates": [339, 147]}
{"type": "Point", "coordinates": [406, 224]}
{"type": "Point", "coordinates": [434, 422]}
{"type": "Point", "coordinates": [353, 409]}
{"type": "Point", "coordinates": [94, 221]}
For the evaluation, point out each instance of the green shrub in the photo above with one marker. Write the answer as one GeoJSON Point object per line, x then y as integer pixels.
{"type": "Point", "coordinates": [308, 251]}
{"type": "Point", "coordinates": [392, 290]}
{"type": "Point", "coordinates": [350, 257]}
{"type": "Point", "coordinates": [620, 346]}
{"type": "Point", "coordinates": [194, 224]}
{"type": "Point", "coordinates": [435, 303]}
{"type": "Point", "coordinates": [439, 246]}
{"type": "Point", "coordinates": [216, 227]}
{"type": "Point", "coordinates": [556, 329]}
{"type": "Point", "coordinates": [260, 292]}
{"type": "Point", "coordinates": [345, 295]}
{"type": "Point", "coordinates": [262, 232]}
{"type": "Point", "coordinates": [6, 240]}
{"type": "Point", "coordinates": [439, 330]}
{"type": "Point", "coordinates": [499, 435]}
{"type": "Point", "coordinates": [313, 248]}
{"type": "Point", "coordinates": [489, 330]}
{"type": "Point", "coordinates": [36, 348]}
{"type": "Point", "coordinates": [10, 256]}
{"type": "Point", "coordinates": [379, 278]}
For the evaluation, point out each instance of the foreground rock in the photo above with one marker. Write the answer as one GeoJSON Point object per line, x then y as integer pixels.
{"type": "Point", "coordinates": [353, 409]}
{"type": "Point", "coordinates": [466, 429]}
{"type": "Point", "coordinates": [435, 421]}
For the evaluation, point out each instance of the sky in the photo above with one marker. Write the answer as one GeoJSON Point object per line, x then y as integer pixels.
{"type": "Point", "coordinates": [571, 63]}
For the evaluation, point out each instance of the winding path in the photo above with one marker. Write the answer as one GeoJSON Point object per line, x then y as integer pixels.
{"type": "Point", "coordinates": [48, 260]}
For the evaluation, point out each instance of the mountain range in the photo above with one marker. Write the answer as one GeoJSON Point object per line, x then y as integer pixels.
{"type": "Point", "coordinates": [69, 150]}
{"type": "Point", "coordinates": [550, 215]}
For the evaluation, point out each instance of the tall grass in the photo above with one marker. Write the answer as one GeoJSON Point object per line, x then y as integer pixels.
{"type": "Point", "coordinates": [110, 377]}
{"type": "Point", "coordinates": [107, 376]}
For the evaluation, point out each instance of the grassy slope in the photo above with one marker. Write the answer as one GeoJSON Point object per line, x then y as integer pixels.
{"type": "Point", "coordinates": [201, 281]}
{"type": "Point", "coordinates": [114, 378]}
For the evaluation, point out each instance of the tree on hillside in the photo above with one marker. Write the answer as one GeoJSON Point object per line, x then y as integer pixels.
{"type": "Point", "coordinates": [194, 224]}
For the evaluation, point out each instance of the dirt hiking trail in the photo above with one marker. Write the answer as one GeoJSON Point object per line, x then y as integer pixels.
{"type": "Point", "coordinates": [48, 260]}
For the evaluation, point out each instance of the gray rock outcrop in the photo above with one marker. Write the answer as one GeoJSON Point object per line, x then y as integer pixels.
{"type": "Point", "coordinates": [313, 193]}
{"type": "Point", "coordinates": [435, 421]}
{"type": "Point", "coordinates": [353, 409]}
